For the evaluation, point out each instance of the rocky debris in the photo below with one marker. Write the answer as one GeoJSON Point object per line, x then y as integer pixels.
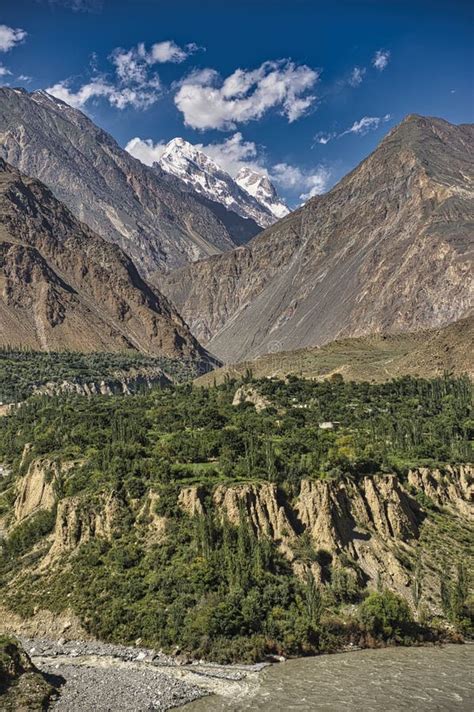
{"type": "Point", "coordinates": [110, 689]}
{"type": "Point", "coordinates": [109, 678]}
{"type": "Point", "coordinates": [23, 688]}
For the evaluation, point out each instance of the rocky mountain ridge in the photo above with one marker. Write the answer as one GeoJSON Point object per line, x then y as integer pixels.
{"type": "Point", "coordinates": [158, 223]}
{"type": "Point", "coordinates": [250, 195]}
{"type": "Point", "coordinates": [262, 189]}
{"type": "Point", "coordinates": [65, 287]}
{"type": "Point", "coordinates": [387, 250]}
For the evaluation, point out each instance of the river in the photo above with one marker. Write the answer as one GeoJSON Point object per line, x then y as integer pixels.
{"type": "Point", "coordinates": [393, 679]}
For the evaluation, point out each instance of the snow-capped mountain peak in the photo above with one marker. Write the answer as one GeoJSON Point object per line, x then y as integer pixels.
{"type": "Point", "coordinates": [259, 185]}
{"type": "Point", "coordinates": [193, 166]}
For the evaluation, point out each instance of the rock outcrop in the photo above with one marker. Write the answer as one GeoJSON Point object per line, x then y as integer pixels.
{"type": "Point", "coordinates": [35, 490]}
{"type": "Point", "coordinates": [373, 523]}
{"type": "Point", "coordinates": [452, 488]}
{"type": "Point", "coordinates": [77, 522]}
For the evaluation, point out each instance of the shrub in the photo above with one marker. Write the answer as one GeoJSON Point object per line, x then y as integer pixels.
{"type": "Point", "coordinates": [385, 614]}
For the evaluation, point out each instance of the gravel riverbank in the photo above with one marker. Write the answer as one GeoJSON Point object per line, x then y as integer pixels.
{"type": "Point", "coordinates": [113, 678]}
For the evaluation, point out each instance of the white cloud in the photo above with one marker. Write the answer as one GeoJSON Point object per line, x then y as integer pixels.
{"type": "Point", "coordinates": [134, 83]}
{"type": "Point", "coordinates": [169, 51]}
{"type": "Point", "coordinates": [207, 101]}
{"type": "Point", "coordinates": [310, 182]}
{"type": "Point", "coordinates": [381, 59]}
{"type": "Point", "coordinates": [365, 124]}
{"type": "Point", "coordinates": [233, 154]}
{"type": "Point", "coordinates": [357, 76]}
{"type": "Point", "coordinates": [4, 71]}
{"type": "Point", "coordinates": [24, 78]}
{"type": "Point", "coordinates": [9, 37]}
{"type": "Point", "coordinates": [120, 97]}
{"type": "Point", "coordinates": [130, 65]}
{"type": "Point", "coordinates": [145, 150]}
{"type": "Point", "coordinates": [324, 138]}
{"type": "Point", "coordinates": [359, 128]}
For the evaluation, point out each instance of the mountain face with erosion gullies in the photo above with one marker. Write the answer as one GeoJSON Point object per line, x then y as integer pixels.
{"type": "Point", "coordinates": [250, 195]}
{"type": "Point", "coordinates": [147, 212]}
{"type": "Point", "coordinates": [387, 250]}
{"type": "Point", "coordinates": [64, 287]}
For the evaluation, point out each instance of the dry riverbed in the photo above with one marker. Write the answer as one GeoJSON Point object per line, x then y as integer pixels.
{"type": "Point", "coordinates": [113, 678]}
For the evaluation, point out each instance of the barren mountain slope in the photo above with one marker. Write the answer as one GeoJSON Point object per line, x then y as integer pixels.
{"type": "Point", "coordinates": [386, 250]}
{"type": "Point", "coordinates": [157, 222]}
{"type": "Point", "coordinates": [63, 286]}
{"type": "Point", "coordinates": [368, 358]}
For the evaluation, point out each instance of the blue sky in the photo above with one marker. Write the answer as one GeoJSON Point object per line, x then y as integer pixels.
{"type": "Point", "coordinates": [302, 89]}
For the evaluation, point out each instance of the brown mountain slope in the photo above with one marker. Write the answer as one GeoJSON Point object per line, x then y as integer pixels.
{"type": "Point", "coordinates": [386, 250]}
{"type": "Point", "coordinates": [153, 216]}
{"type": "Point", "coordinates": [62, 286]}
{"type": "Point", "coordinates": [374, 358]}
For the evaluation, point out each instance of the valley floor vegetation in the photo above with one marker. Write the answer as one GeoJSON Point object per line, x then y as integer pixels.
{"type": "Point", "coordinates": [24, 370]}
{"type": "Point", "coordinates": [212, 588]}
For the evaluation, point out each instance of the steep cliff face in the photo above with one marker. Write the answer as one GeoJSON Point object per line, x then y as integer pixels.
{"type": "Point", "coordinates": [379, 531]}
{"type": "Point", "coordinates": [77, 522]}
{"type": "Point", "coordinates": [373, 526]}
{"type": "Point", "coordinates": [35, 490]}
{"type": "Point", "coordinates": [386, 250]}
{"type": "Point", "coordinates": [62, 286]}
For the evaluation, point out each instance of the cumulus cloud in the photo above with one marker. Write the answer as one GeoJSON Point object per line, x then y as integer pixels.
{"type": "Point", "coordinates": [209, 102]}
{"type": "Point", "coordinates": [234, 153]}
{"type": "Point", "coordinates": [169, 51]}
{"type": "Point", "coordinates": [357, 76]}
{"type": "Point", "coordinates": [145, 150]}
{"type": "Point", "coordinates": [365, 124]}
{"type": "Point", "coordinates": [310, 181]}
{"type": "Point", "coordinates": [4, 71]}
{"type": "Point", "coordinates": [134, 82]}
{"type": "Point", "coordinates": [381, 59]}
{"type": "Point", "coordinates": [10, 37]}
{"type": "Point", "coordinates": [120, 97]}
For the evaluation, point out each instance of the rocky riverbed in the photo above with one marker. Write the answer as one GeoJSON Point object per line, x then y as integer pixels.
{"type": "Point", "coordinates": [113, 678]}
